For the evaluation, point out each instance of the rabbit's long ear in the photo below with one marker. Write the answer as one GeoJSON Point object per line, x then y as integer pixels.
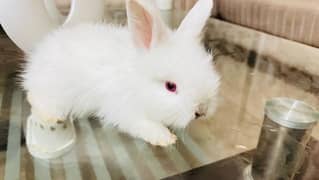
{"type": "Point", "coordinates": [195, 20]}
{"type": "Point", "coordinates": [144, 22]}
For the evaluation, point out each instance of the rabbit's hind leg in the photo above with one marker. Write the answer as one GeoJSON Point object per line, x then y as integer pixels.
{"type": "Point", "coordinates": [47, 136]}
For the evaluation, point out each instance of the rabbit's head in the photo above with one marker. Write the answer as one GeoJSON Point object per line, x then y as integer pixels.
{"type": "Point", "coordinates": [178, 80]}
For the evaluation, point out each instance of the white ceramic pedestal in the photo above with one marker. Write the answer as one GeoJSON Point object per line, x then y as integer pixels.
{"type": "Point", "coordinates": [27, 21]}
{"type": "Point", "coordinates": [164, 4]}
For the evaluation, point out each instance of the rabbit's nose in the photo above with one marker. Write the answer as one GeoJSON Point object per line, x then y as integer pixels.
{"type": "Point", "coordinates": [198, 115]}
{"type": "Point", "coordinates": [201, 111]}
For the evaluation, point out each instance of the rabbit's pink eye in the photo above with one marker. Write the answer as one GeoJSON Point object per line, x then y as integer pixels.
{"type": "Point", "coordinates": [170, 86]}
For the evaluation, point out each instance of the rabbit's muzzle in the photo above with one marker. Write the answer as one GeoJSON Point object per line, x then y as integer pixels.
{"type": "Point", "coordinates": [201, 111]}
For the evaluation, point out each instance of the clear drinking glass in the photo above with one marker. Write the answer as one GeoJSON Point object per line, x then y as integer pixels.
{"type": "Point", "coordinates": [285, 132]}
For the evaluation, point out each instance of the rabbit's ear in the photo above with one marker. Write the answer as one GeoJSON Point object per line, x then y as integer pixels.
{"type": "Point", "coordinates": [196, 19]}
{"type": "Point", "coordinates": [146, 27]}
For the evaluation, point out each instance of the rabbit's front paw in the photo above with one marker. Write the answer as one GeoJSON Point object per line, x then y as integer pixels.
{"type": "Point", "coordinates": [159, 136]}
{"type": "Point", "coordinates": [151, 132]}
{"type": "Point", "coordinates": [165, 141]}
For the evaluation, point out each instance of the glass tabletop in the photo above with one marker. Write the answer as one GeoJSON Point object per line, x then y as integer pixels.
{"type": "Point", "coordinates": [104, 153]}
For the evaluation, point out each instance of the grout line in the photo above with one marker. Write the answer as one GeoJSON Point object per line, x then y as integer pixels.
{"type": "Point", "coordinates": [94, 154]}
{"type": "Point", "coordinates": [151, 160]}
{"type": "Point", "coordinates": [72, 171]}
{"type": "Point", "coordinates": [179, 162]}
{"type": "Point", "coordinates": [12, 164]}
{"type": "Point", "coordinates": [41, 169]}
{"type": "Point", "coordinates": [193, 147]}
{"type": "Point", "coordinates": [121, 154]}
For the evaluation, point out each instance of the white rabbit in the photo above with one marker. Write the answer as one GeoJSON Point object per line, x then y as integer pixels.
{"type": "Point", "coordinates": [141, 78]}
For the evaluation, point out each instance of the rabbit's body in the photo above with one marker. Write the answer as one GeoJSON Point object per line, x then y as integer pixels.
{"type": "Point", "coordinates": [157, 78]}
{"type": "Point", "coordinates": [75, 69]}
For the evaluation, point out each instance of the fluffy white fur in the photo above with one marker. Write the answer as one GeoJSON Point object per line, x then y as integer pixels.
{"type": "Point", "coordinates": [119, 73]}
